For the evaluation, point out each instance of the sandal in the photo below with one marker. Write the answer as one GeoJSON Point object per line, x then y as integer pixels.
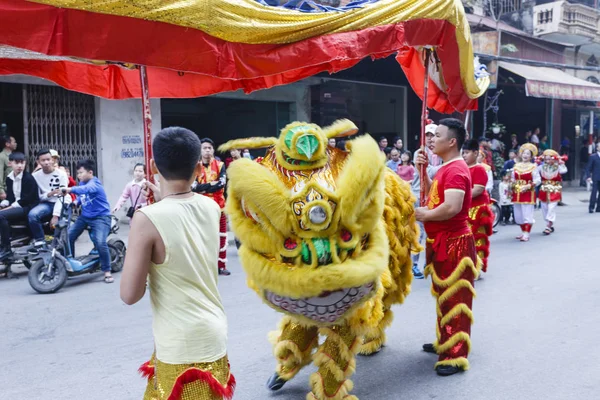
{"type": "Point", "coordinates": [520, 237]}
{"type": "Point", "coordinates": [548, 231]}
{"type": "Point", "coordinates": [525, 239]}
{"type": "Point", "coordinates": [109, 279]}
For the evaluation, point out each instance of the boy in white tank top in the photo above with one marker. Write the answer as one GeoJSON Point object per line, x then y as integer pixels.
{"type": "Point", "coordinates": [174, 245]}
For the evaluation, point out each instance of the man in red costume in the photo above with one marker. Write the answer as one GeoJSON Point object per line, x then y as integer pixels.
{"type": "Point", "coordinates": [481, 219]}
{"type": "Point", "coordinates": [451, 254]}
{"type": "Point", "coordinates": [211, 183]}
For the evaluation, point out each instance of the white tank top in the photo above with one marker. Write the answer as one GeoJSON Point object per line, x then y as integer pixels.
{"type": "Point", "coordinates": [189, 321]}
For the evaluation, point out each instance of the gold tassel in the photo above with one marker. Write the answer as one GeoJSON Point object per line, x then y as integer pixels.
{"type": "Point", "coordinates": [452, 290]}
{"type": "Point", "coordinates": [460, 308]}
{"type": "Point", "coordinates": [460, 362]}
{"type": "Point", "coordinates": [463, 265]}
{"type": "Point", "coordinates": [453, 341]}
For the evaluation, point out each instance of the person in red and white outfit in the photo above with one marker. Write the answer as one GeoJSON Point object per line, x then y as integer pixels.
{"type": "Point", "coordinates": [551, 172]}
{"type": "Point", "coordinates": [211, 183]}
{"type": "Point", "coordinates": [525, 178]}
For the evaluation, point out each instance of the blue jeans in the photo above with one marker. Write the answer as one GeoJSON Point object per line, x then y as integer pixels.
{"type": "Point", "coordinates": [99, 230]}
{"type": "Point", "coordinates": [36, 216]}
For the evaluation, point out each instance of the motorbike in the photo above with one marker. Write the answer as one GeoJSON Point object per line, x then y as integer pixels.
{"type": "Point", "coordinates": [51, 267]}
{"type": "Point", "coordinates": [496, 210]}
{"type": "Point", "coordinates": [21, 244]}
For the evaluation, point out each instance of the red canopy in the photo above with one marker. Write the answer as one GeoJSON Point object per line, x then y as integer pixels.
{"type": "Point", "coordinates": [186, 62]}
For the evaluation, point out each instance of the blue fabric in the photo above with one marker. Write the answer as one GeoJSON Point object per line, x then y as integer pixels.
{"type": "Point", "coordinates": [100, 228]}
{"type": "Point", "coordinates": [92, 198]}
{"type": "Point", "coordinates": [36, 216]}
{"type": "Point", "coordinates": [593, 168]}
{"type": "Point", "coordinates": [312, 6]}
{"type": "Point", "coordinates": [393, 165]}
{"type": "Point", "coordinates": [509, 164]}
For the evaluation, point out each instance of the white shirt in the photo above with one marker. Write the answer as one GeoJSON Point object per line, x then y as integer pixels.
{"type": "Point", "coordinates": [17, 181]}
{"type": "Point", "coordinates": [505, 198]}
{"type": "Point", "coordinates": [49, 182]}
{"type": "Point", "coordinates": [489, 186]}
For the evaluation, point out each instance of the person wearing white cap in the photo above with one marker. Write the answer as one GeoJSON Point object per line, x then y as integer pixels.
{"type": "Point", "coordinates": [50, 181]}
{"type": "Point", "coordinates": [433, 165]}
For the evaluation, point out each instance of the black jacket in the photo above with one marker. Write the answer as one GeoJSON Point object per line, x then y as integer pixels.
{"type": "Point", "coordinates": [593, 167]}
{"type": "Point", "coordinates": [29, 191]}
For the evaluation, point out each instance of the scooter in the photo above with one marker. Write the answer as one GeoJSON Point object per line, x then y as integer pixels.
{"type": "Point", "coordinates": [52, 266]}
{"type": "Point", "coordinates": [21, 243]}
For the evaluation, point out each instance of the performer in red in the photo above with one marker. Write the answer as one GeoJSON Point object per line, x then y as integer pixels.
{"type": "Point", "coordinates": [525, 178]}
{"type": "Point", "coordinates": [211, 183]}
{"type": "Point", "coordinates": [481, 219]}
{"type": "Point", "coordinates": [451, 254]}
{"type": "Point", "coordinates": [551, 172]}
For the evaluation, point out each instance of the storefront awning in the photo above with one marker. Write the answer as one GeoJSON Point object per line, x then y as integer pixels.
{"type": "Point", "coordinates": [552, 83]}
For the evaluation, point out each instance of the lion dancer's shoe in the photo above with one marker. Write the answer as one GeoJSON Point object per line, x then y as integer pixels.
{"type": "Point", "coordinates": [222, 263]}
{"type": "Point", "coordinates": [336, 361]}
{"type": "Point", "coordinates": [374, 341]}
{"type": "Point", "coordinates": [293, 344]}
{"type": "Point", "coordinates": [452, 286]}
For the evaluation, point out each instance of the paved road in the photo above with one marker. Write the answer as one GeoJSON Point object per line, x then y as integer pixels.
{"type": "Point", "coordinates": [535, 334]}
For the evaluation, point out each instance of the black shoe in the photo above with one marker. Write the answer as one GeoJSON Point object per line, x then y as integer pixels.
{"type": "Point", "coordinates": [275, 382]}
{"type": "Point", "coordinates": [429, 348]}
{"type": "Point", "coordinates": [224, 271]}
{"type": "Point", "coordinates": [35, 250]}
{"type": "Point", "coordinates": [591, 211]}
{"type": "Point", "coordinates": [447, 370]}
{"type": "Point", "coordinates": [5, 253]}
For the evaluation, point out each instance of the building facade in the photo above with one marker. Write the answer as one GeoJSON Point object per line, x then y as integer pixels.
{"type": "Point", "coordinates": [543, 59]}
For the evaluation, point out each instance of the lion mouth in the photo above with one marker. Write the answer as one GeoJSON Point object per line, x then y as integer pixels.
{"type": "Point", "coordinates": [328, 307]}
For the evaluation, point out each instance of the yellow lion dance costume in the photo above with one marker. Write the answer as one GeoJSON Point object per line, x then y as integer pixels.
{"type": "Point", "coordinates": [326, 237]}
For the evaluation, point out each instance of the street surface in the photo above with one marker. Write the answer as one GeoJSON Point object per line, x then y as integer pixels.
{"type": "Point", "coordinates": [535, 334]}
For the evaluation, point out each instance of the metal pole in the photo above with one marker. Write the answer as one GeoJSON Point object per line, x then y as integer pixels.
{"type": "Point", "coordinates": [591, 135]}
{"type": "Point", "coordinates": [147, 117]}
{"type": "Point", "coordinates": [468, 123]}
{"type": "Point", "coordinates": [30, 157]}
{"type": "Point", "coordinates": [424, 114]}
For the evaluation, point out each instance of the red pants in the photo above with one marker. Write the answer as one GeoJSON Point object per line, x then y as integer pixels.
{"type": "Point", "coordinates": [481, 221]}
{"type": "Point", "coordinates": [452, 286]}
{"type": "Point", "coordinates": [223, 241]}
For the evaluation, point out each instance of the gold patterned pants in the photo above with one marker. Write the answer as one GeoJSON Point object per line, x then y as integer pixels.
{"type": "Point", "coordinates": [335, 360]}
{"type": "Point", "coordinates": [452, 286]}
{"type": "Point", "coordinates": [198, 381]}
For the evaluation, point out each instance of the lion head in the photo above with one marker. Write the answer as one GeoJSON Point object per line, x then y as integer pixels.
{"type": "Point", "coordinates": [309, 220]}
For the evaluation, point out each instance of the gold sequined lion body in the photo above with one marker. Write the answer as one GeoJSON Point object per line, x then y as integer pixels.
{"type": "Point", "coordinates": [326, 239]}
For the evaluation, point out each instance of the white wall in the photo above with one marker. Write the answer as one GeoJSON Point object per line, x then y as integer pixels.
{"type": "Point", "coordinates": [119, 132]}
{"type": "Point", "coordinates": [549, 27]}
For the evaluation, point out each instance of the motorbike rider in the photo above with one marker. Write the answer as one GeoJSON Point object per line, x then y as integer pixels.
{"type": "Point", "coordinates": [95, 213]}
{"type": "Point", "coordinates": [21, 196]}
{"type": "Point", "coordinates": [49, 180]}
